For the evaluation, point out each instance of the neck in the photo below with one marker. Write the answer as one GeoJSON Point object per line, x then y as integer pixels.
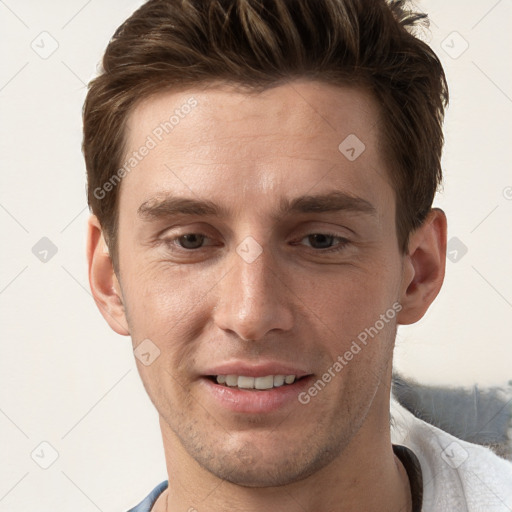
{"type": "Point", "coordinates": [365, 476]}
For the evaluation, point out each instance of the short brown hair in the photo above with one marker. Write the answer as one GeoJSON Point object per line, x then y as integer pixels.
{"type": "Point", "coordinates": [258, 44]}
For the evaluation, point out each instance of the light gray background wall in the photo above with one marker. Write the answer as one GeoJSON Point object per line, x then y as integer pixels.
{"type": "Point", "coordinates": [67, 380]}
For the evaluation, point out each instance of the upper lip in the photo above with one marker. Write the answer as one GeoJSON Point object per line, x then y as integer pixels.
{"type": "Point", "coordinates": [256, 370]}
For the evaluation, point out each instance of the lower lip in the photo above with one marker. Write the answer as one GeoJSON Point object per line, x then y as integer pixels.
{"type": "Point", "coordinates": [255, 401]}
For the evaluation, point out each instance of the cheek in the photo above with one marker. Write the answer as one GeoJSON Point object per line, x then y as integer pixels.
{"type": "Point", "coordinates": [351, 300]}
{"type": "Point", "coordinates": [158, 292]}
{"type": "Point", "coordinates": [168, 306]}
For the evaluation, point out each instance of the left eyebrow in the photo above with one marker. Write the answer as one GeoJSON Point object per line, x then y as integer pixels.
{"type": "Point", "coordinates": [334, 201]}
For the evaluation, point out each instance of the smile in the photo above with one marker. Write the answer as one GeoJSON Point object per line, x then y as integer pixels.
{"type": "Point", "coordinates": [259, 383]}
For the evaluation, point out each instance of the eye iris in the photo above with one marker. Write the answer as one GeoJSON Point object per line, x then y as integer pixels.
{"type": "Point", "coordinates": [323, 238]}
{"type": "Point", "coordinates": [195, 240]}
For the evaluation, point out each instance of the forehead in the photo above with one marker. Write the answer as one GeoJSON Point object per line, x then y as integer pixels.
{"type": "Point", "coordinates": [244, 143]}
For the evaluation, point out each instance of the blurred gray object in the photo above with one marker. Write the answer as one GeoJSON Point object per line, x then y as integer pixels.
{"type": "Point", "coordinates": [481, 416]}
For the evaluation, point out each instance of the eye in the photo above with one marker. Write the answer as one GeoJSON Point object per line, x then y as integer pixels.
{"type": "Point", "coordinates": [323, 242]}
{"type": "Point", "coordinates": [320, 242]}
{"type": "Point", "coordinates": [188, 241]}
{"type": "Point", "coordinates": [191, 240]}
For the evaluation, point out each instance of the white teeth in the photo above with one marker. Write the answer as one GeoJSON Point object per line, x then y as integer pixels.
{"type": "Point", "coordinates": [264, 382]}
{"type": "Point", "coordinates": [231, 380]}
{"type": "Point", "coordinates": [244, 382]}
{"type": "Point", "coordinates": [278, 380]}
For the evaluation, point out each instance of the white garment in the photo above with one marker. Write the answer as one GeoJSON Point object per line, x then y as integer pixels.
{"type": "Point", "coordinates": [457, 476]}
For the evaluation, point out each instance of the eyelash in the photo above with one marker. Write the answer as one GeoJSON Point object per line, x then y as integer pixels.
{"type": "Point", "coordinates": [337, 248]}
{"type": "Point", "coordinates": [170, 242]}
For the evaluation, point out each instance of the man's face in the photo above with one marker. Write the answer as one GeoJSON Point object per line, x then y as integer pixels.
{"type": "Point", "coordinates": [260, 289]}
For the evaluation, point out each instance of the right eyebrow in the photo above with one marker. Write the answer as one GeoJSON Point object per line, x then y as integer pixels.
{"type": "Point", "coordinates": [171, 205]}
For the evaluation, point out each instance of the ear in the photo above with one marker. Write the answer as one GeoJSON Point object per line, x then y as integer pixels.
{"type": "Point", "coordinates": [424, 267]}
{"type": "Point", "coordinates": [104, 285]}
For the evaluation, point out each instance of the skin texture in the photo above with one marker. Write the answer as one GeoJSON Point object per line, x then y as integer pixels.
{"type": "Point", "coordinates": [294, 304]}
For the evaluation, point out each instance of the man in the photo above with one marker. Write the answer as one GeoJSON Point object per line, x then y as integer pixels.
{"type": "Point", "coordinates": [261, 176]}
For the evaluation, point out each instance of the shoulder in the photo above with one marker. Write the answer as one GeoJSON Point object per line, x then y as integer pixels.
{"type": "Point", "coordinates": [457, 475]}
{"type": "Point", "coordinates": [147, 503]}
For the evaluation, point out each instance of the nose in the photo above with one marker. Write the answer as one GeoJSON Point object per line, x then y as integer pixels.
{"type": "Point", "coordinates": [254, 297]}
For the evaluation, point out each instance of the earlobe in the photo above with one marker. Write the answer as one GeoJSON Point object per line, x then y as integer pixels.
{"type": "Point", "coordinates": [424, 267]}
{"type": "Point", "coordinates": [102, 279]}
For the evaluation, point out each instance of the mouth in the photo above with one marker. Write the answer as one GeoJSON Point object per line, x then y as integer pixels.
{"type": "Point", "coordinates": [262, 394]}
{"type": "Point", "coordinates": [254, 383]}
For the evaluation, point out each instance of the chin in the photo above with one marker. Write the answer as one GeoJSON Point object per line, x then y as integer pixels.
{"type": "Point", "coordinates": [252, 467]}
{"type": "Point", "coordinates": [259, 477]}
